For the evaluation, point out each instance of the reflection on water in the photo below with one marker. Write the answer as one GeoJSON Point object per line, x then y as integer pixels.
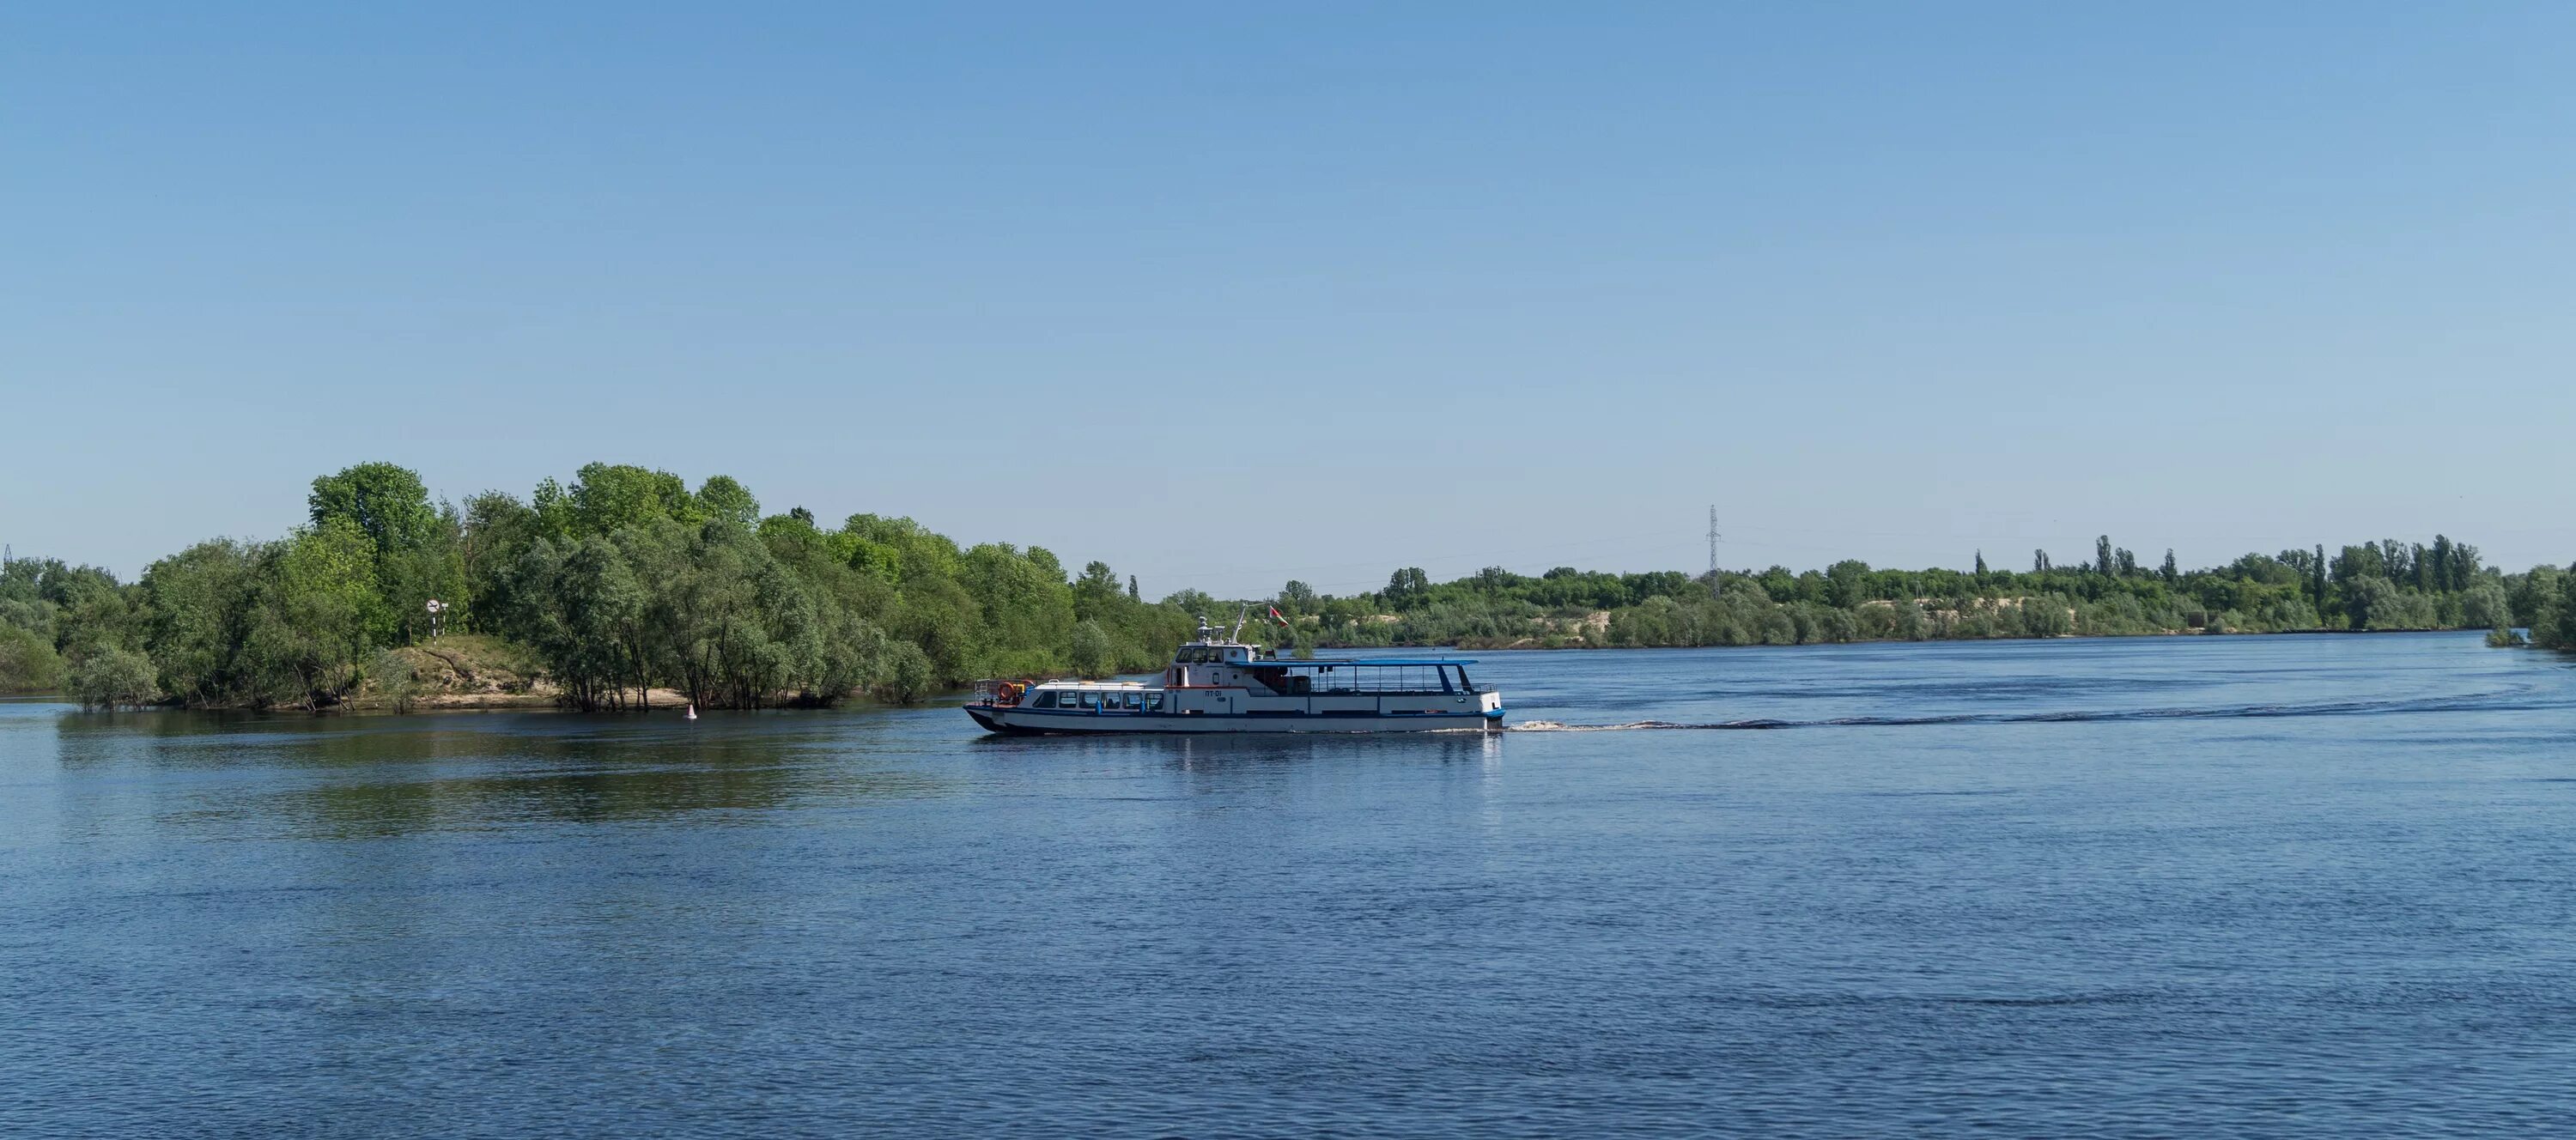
{"type": "Point", "coordinates": [358, 777]}
{"type": "Point", "coordinates": [2217, 885]}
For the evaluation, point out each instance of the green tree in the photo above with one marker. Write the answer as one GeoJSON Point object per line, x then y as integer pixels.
{"type": "Point", "coordinates": [908, 675]}
{"type": "Point", "coordinates": [1092, 653]}
{"type": "Point", "coordinates": [2555, 625]}
{"type": "Point", "coordinates": [213, 606]}
{"type": "Point", "coordinates": [607, 496]}
{"type": "Point", "coordinates": [2484, 606]}
{"type": "Point", "coordinates": [385, 502]}
{"type": "Point", "coordinates": [417, 548]}
{"type": "Point", "coordinates": [323, 610]}
{"type": "Point", "coordinates": [583, 611]}
{"type": "Point", "coordinates": [1407, 588]}
{"type": "Point", "coordinates": [115, 678]}
{"type": "Point", "coordinates": [720, 497]}
{"type": "Point", "coordinates": [391, 677]}
{"type": "Point", "coordinates": [28, 663]}
{"type": "Point", "coordinates": [1095, 594]}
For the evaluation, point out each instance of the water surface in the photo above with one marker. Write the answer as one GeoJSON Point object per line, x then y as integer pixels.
{"type": "Point", "coordinates": [2199, 886]}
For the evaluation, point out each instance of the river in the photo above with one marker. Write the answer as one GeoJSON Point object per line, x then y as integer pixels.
{"type": "Point", "coordinates": [2306, 885]}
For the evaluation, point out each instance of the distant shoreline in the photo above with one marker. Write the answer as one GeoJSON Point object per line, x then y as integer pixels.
{"type": "Point", "coordinates": [543, 699]}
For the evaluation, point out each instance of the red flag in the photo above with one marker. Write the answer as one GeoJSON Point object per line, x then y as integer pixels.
{"type": "Point", "coordinates": [1274, 616]}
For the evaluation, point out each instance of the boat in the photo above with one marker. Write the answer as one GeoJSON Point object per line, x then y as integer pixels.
{"type": "Point", "coordinates": [1219, 684]}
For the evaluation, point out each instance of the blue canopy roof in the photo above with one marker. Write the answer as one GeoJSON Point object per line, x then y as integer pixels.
{"type": "Point", "coordinates": [1362, 661]}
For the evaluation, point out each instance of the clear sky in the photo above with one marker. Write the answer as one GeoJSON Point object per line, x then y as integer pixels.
{"type": "Point", "coordinates": [1225, 296]}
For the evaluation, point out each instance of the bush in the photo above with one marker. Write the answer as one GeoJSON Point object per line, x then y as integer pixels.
{"type": "Point", "coordinates": [1093, 655]}
{"type": "Point", "coordinates": [394, 680]}
{"type": "Point", "coordinates": [27, 662]}
{"type": "Point", "coordinates": [2503, 638]}
{"type": "Point", "coordinates": [908, 675]}
{"type": "Point", "coordinates": [112, 678]}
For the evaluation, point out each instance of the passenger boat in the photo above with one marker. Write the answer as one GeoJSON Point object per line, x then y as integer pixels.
{"type": "Point", "coordinates": [1219, 684]}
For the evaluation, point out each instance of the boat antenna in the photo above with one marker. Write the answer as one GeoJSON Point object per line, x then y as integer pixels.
{"type": "Point", "coordinates": [1241, 616]}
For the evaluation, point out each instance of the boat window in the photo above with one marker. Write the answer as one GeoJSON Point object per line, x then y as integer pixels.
{"type": "Point", "coordinates": [1046, 700]}
{"type": "Point", "coordinates": [1153, 702]}
{"type": "Point", "coordinates": [1091, 701]}
{"type": "Point", "coordinates": [1132, 701]}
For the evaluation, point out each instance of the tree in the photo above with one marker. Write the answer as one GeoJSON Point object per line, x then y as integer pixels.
{"type": "Point", "coordinates": [907, 676]}
{"type": "Point", "coordinates": [2464, 565]}
{"type": "Point", "coordinates": [606, 496]}
{"type": "Point", "coordinates": [2371, 602]}
{"type": "Point", "coordinates": [1092, 654]}
{"type": "Point", "coordinates": [384, 501]}
{"type": "Point", "coordinates": [2039, 562]}
{"type": "Point", "coordinates": [1131, 589]}
{"type": "Point", "coordinates": [583, 613]}
{"type": "Point", "coordinates": [1981, 564]}
{"type": "Point", "coordinates": [1095, 593]}
{"type": "Point", "coordinates": [721, 497]}
{"type": "Point", "coordinates": [391, 676]}
{"type": "Point", "coordinates": [2554, 627]}
{"type": "Point", "coordinates": [1847, 583]}
{"type": "Point", "coordinates": [2102, 555]}
{"type": "Point", "coordinates": [28, 663]}
{"type": "Point", "coordinates": [1296, 598]}
{"type": "Point", "coordinates": [1406, 588]}
{"type": "Point", "coordinates": [415, 545]}
{"type": "Point", "coordinates": [213, 607]}
{"type": "Point", "coordinates": [2170, 573]}
{"type": "Point", "coordinates": [323, 610]}
{"type": "Point", "coordinates": [115, 678]}
{"type": "Point", "coordinates": [2484, 606]}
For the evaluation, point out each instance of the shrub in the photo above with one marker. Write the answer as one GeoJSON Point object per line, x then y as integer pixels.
{"type": "Point", "coordinates": [394, 680]}
{"type": "Point", "coordinates": [27, 662]}
{"type": "Point", "coordinates": [111, 678]}
{"type": "Point", "coordinates": [907, 676]}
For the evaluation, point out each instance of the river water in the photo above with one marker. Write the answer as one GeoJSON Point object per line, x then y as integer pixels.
{"type": "Point", "coordinates": [2188, 886]}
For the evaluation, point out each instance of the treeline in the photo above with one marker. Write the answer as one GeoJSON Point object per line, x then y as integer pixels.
{"type": "Point", "coordinates": [2366, 586]}
{"type": "Point", "coordinates": [625, 581]}
{"type": "Point", "coordinates": [628, 581]}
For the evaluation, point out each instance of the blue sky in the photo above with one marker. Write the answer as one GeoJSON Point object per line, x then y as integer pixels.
{"type": "Point", "coordinates": [1224, 296]}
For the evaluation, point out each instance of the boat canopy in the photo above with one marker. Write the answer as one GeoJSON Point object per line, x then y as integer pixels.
{"type": "Point", "coordinates": [1363, 663]}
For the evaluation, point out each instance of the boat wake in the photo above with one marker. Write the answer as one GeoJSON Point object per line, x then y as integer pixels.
{"type": "Point", "coordinates": [2502, 701]}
